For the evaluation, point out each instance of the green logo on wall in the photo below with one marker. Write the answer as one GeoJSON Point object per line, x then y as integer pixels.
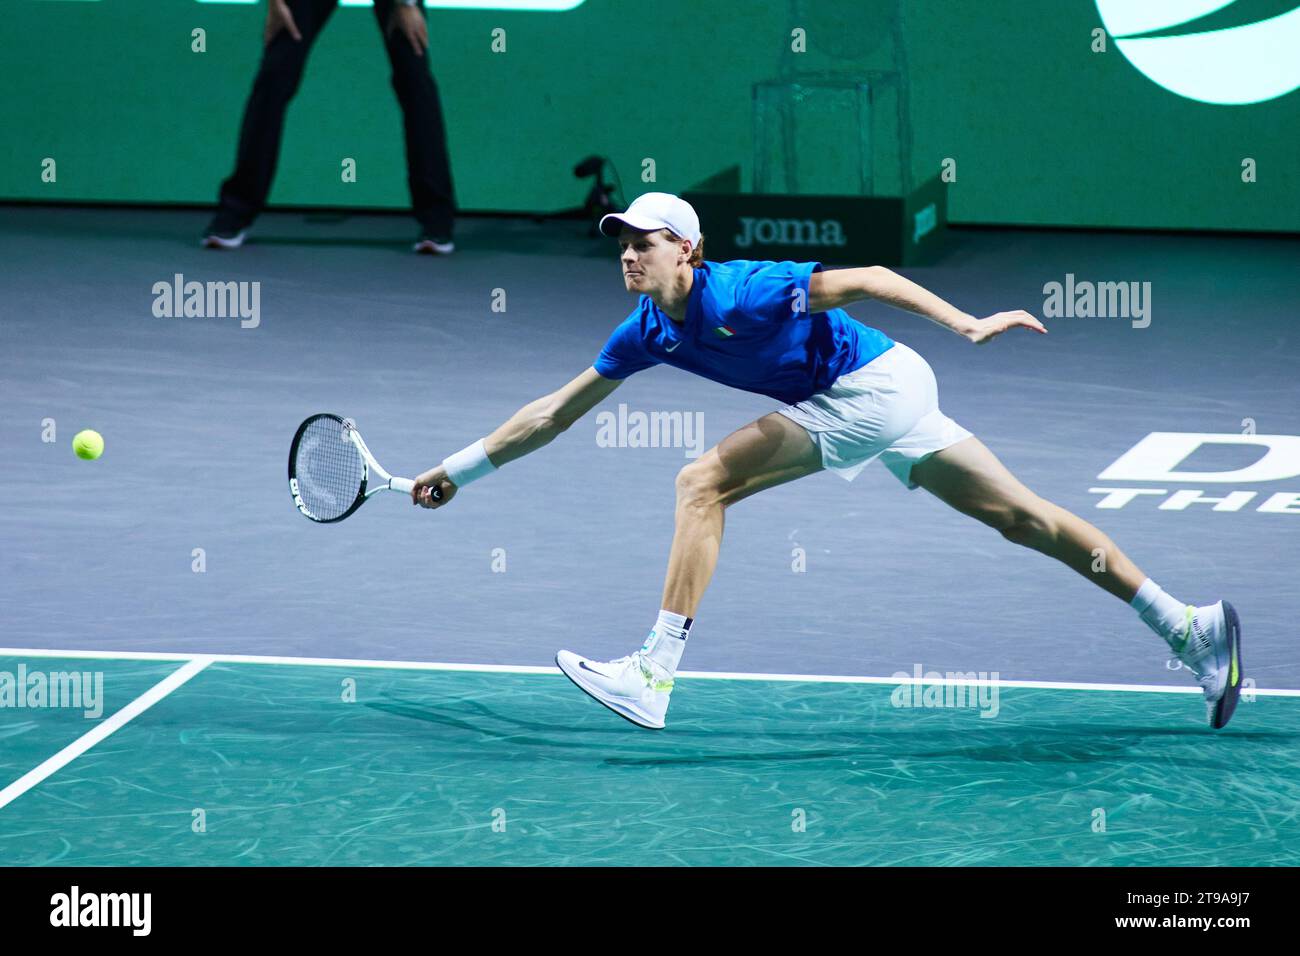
{"type": "Point", "coordinates": [1226, 52]}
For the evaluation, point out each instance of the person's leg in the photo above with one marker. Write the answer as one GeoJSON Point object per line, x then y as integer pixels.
{"type": "Point", "coordinates": [244, 193]}
{"type": "Point", "coordinates": [767, 452]}
{"type": "Point", "coordinates": [770, 451]}
{"type": "Point", "coordinates": [427, 163]}
{"type": "Point", "coordinates": [971, 479]}
{"type": "Point", "coordinates": [1207, 640]}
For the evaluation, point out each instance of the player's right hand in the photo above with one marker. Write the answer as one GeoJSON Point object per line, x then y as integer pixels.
{"type": "Point", "coordinates": [435, 477]}
{"type": "Point", "coordinates": [279, 17]}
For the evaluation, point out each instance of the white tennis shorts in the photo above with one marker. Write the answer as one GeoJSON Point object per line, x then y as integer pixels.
{"type": "Point", "coordinates": [888, 409]}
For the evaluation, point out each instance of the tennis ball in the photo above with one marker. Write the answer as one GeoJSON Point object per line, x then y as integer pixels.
{"type": "Point", "coordinates": [88, 444]}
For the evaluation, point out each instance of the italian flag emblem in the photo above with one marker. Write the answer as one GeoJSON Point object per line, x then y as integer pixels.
{"type": "Point", "coordinates": [724, 331]}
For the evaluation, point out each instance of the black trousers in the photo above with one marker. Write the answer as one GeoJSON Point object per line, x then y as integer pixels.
{"type": "Point", "coordinates": [244, 194]}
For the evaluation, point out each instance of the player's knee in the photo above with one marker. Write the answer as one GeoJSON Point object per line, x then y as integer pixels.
{"type": "Point", "coordinates": [404, 85]}
{"type": "Point", "coordinates": [279, 77]}
{"type": "Point", "coordinates": [697, 484]}
{"type": "Point", "coordinates": [1024, 524]}
{"type": "Point", "coordinates": [410, 74]}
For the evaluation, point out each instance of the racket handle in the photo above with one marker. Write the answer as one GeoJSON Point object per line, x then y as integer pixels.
{"type": "Point", "coordinates": [404, 485]}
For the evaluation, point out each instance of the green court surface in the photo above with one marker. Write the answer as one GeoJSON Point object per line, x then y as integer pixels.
{"type": "Point", "coordinates": [454, 767]}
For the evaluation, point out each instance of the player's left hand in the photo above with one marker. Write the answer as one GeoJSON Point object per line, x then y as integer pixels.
{"type": "Point", "coordinates": [409, 21]}
{"type": "Point", "coordinates": [985, 330]}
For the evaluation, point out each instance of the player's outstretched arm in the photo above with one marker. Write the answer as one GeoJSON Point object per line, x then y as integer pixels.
{"type": "Point", "coordinates": [840, 287]}
{"type": "Point", "coordinates": [528, 429]}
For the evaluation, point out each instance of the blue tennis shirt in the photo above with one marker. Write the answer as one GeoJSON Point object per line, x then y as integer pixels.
{"type": "Point", "coordinates": [747, 326]}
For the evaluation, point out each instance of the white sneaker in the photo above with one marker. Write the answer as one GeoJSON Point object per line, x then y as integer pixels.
{"type": "Point", "coordinates": [632, 687]}
{"type": "Point", "coordinates": [1211, 650]}
{"type": "Point", "coordinates": [428, 246]}
{"type": "Point", "coordinates": [222, 240]}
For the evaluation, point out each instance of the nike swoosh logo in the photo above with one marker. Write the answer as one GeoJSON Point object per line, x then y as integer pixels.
{"type": "Point", "coordinates": [1239, 14]}
{"type": "Point", "coordinates": [669, 350]}
{"type": "Point", "coordinates": [583, 665]}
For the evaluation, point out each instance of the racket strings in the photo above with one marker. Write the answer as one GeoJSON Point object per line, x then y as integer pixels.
{"type": "Point", "coordinates": [329, 468]}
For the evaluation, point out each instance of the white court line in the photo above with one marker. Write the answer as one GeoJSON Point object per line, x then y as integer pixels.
{"type": "Point", "coordinates": [87, 740]}
{"type": "Point", "coordinates": [533, 669]}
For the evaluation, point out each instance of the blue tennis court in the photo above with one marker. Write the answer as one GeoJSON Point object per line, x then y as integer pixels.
{"type": "Point", "coordinates": [382, 691]}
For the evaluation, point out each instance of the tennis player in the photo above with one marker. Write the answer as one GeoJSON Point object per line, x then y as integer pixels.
{"type": "Point", "coordinates": [849, 395]}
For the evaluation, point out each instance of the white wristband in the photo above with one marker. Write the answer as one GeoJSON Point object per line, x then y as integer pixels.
{"type": "Point", "coordinates": [468, 464]}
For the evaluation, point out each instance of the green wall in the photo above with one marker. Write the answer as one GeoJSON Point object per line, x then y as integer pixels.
{"type": "Point", "coordinates": [1042, 129]}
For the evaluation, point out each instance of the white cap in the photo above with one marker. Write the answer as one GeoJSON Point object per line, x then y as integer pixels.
{"type": "Point", "coordinates": [651, 211]}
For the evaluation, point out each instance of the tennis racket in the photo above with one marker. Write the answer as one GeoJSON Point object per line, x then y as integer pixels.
{"type": "Point", "coordinates": [332, 473]}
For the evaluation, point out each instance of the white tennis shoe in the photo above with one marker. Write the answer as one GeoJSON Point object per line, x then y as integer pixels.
{"type": "Point", "coordinates": [634, 687]}
{"type": "Point", "coordinates": [429, 246]}
{"type": "Point", "coordinates": [224, 240]}
{"type": "Point", "coordinates": [1211, 650]}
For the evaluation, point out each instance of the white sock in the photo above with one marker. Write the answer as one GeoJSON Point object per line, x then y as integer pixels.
{"type": "Point", "coordinates": [1162, 613]}
{"type": "Point", "coordinates": [667, 639]}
